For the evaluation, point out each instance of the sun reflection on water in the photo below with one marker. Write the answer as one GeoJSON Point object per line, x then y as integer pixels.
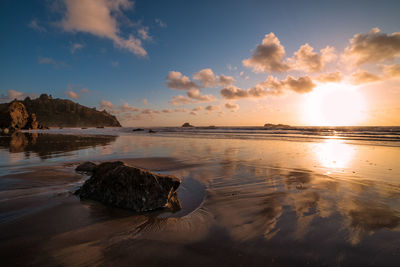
{"type": "Point", "coordinates": [334, 153]}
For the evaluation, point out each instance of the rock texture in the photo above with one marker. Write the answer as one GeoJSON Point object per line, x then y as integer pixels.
{"type": "Point", "coordinates": [13, 115]}
{"type": "Point", "coordinates": [44, 112]}
{"type": "Point", "coordinates": [186, 124]}
{"type": "Point", "coordinates": [123, 186]}
{"type": "Point", "coordinates": [32, 122]}
{"type": "Point", "coordinates": [86, 167]}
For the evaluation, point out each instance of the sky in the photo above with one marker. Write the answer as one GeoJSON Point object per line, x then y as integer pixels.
{"type": "Point", "coordinates": [226, 63]}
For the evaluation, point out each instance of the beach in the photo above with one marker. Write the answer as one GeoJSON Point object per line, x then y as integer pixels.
{"type": "Point", "coordinates": [248, 197]}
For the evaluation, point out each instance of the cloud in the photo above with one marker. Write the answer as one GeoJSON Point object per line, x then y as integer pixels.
{"type": "Point", "coordinates": [178, 100]}
{"type": "Point", "coordinates": [212, 108]}
{"type": "Point", "coordinates": [75, 47]}
{"type": "Point", "coordinates": [226, 80]}
{"type": "Point", "coordinates": [362, 76]}
{"type": "Point", "coordinates": [271, 86]}
{"type": "Point", "coordinates": [144, 34]}
{"type": "Point", "coordinates": [233, 92]}
{"type": "Point", "coordinates": [306, 59]}
{"type": "Point", "coordinates": [145, 101]}
{"type": "Point", "coordinates": [232, 107]}
{"type": "Point", "coordinates": [125, 107]}
{"type": "Point", "coordinates": [13, 94]}
{"type": "Point", "coordinates": [72, 94]}
{"type": "Point", "coordinates": [331, 77]}
{"type": "Point", "coordinates": [178, 81]}
{"type": "Point", "coordinates": [195, 94]}
{"type": "Point", "coordinates": [108, 106]}
{"type": "Point", "coordinates": [160, 23]}
{"type": "Point", "coordinates": [301, 85]}
{"type": "Point", "coordinates": [99, 17]}
{"type": "Point", "coordinates": [34, 24]}
{"type": "Point", "coordinates": [268, 56]}
{"type": "Point", "coordinates": [372, 47]}
{"type": "Point", "coordinates": [50, 61]}
{"type": "Point", "coordinates": [391, 71]}
{"type": "Point", "coordinates": [85, 91]}
{"type": "Point", "coordinates": [114, 63]}
{"type": "Point", "coordinates": [198, 108]}
{"type": "Point", "coordinates": [208, 80]}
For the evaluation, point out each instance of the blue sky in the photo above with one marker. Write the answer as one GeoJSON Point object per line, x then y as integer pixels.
{"type": "Point", "coordinates": [42, 51]}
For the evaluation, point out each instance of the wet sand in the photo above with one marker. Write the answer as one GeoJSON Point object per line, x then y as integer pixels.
{"type": "Point", "coordinates": [244, 203]}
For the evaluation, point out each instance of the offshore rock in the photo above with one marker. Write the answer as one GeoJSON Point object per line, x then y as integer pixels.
{"type": "Point", "coordinates": [123, 186]}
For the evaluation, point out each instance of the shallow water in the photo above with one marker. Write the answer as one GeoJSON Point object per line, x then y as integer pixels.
{"type": "Point", "coordinates": [254, 201]}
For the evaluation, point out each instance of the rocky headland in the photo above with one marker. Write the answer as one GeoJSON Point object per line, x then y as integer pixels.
{"type": "Point", "coordinates": [44, 112]}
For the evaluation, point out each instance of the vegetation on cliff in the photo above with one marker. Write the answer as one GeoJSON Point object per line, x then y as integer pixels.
{"type": "Point", "coordinates": [49, 112]}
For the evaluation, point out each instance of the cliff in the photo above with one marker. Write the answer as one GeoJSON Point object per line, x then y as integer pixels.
{"type": "Point", "coordinates": [48, 112]}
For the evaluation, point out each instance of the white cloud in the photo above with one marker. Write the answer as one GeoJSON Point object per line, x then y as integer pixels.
{"type": "Point", "coordinates": [178, 100]}
{"type": "Point", "coordinates": [72, 94]}
{"type": "Point", "coordinates": [206, 78]}
{"type": "Point", "coordinates": [195, 94]}
{"type": "Point", "coordinates": [144, 34]}
{"type": "Point", "coordinates": [271, 86]}
{"type": "Point", "coordinates": [268, 56]}
{"type": "Point", "coordinates": [107, 106]}
{"type": "Point", "coordinates": [308, 60]}
{"type": "Point", "coordinates": [99, 17]}
{"type": "Point", "coordinates": [178, 81]}
{"type": "Point", "coordinates": [372, 47]}
{"type": "Point", "coordinates": [125, 107]}
{"type": "Point", "coordinates": [14, 94]}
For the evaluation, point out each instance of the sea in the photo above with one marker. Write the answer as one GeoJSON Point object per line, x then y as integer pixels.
{"type": "Point", "coordinates": [250, 196]}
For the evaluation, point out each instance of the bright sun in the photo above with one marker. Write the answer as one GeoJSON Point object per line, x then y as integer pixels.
{"type": "Point", "coordinates": [334, 105]}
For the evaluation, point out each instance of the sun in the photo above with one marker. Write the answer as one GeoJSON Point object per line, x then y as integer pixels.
{"type": "Point", "coordinates": [334, 104]}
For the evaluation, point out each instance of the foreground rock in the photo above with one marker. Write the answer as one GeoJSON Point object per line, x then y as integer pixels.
{"type": "Point", "coordinates": [86, 167]}
{"type": "Point", "coordinates": [117, 184]}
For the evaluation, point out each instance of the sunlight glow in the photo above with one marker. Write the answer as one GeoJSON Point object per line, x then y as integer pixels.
{"type": "Point", "coordinates": [334, 154]}
{"type": "Point", "coordinates": [334, 104]}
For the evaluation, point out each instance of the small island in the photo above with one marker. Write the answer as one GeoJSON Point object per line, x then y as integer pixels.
{"type": "Point", "coordinates": [186, 124]}
{"type": "Point", "coordinates": [276, 126]}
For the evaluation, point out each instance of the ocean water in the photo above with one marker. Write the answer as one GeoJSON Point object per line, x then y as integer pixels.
{"type": "Point", "coordinates": [250, 195]}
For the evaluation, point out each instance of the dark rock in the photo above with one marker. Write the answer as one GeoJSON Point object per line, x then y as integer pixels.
{"type": "Point", "coordinates": [86, 167]}
{"type": "Point", "coordinates": [32, 122]}
{"type": "Point", "coordinates": [13, 115]}
{"type": "Point", "coordinates": [276, 126]}
{"type": "Point", "coordinates": [123, 186]}
{"type": "Point", "coordinates": [57, 112]}
{"type": "Point", "coordinates": [137, 130]}
{"type": "Point", "coordinates": [186, 124]}
{"type": "Point", "coordinates": [151, 131]}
